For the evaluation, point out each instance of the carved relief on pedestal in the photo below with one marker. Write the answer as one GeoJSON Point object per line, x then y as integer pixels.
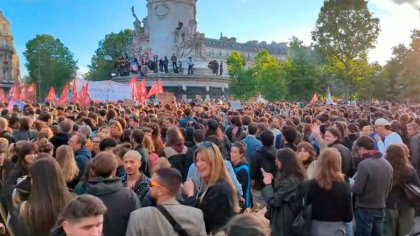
{"type": "Point", "coordinates": [162, 9]}
{"type": "Point", "coordinates": [189, 42]}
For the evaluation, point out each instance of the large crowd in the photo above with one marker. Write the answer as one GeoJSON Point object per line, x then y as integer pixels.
{"type": "Point", "coordinates": [190, 168]}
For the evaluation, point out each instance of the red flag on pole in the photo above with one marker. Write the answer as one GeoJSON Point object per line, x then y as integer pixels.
{"type": "Point", "coordinates": [133, 83]}
{"type": "Point", "coordinates": [24, 93]}
{"type": "Point", "coordinates": [64, 98]}
{"type": "Point", "coordinates": [84, 95]}
{"type": "Point", "coordinates": [153, 90]}
{"type": "Point", "coordinates": [160, 87]}
{"type": "Point", "coordinates": [3, 97]}
{"type": "Point", "coordinates": [14, 92]}
{"type": "Point", "coordinates": [314, 99]}
{"type": "Point", "coordinates": [32, 93]}
{"type": "Point", "coordinates": [75, 95]}
{"type": "Point", "coordinates": [51, 97]}
{"type": "Point", "coordinates": [141, 91]}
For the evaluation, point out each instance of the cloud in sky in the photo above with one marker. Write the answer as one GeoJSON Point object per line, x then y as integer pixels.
{"type": "Point", "coordinates": [399, 18]}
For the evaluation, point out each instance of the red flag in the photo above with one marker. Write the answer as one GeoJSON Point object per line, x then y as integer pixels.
{"type": "Point", "coordinates": [153, 90]}
{"type": "Point", "coordinates": [3, 97]}
{"type": "Point", "coordinates": [133, 83]}
{"type": "Point", "coordinates": [75, 96]}
{"type": "Point", "coordinates": [141, 91]}
{"type": "Point", "coordinates": [24, 93]}
{"type": "Point", "coordinates": [314, 99]}
{"type": "Point", "coordinates": [64, 98]}
{"type": "Point", "coordinates": [32, 93]}
{"type": "Point", "coordinates": [84, 95]}
{"type": "Point", "coordinates": [51, 97]}
{"type": "Point", "coordinates": [14, 92]}
{"type": "Point", "coordinates": [160, 87]}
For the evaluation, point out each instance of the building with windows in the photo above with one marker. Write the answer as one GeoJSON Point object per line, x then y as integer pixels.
{"type": "Point", "coordinates": [9, 63]}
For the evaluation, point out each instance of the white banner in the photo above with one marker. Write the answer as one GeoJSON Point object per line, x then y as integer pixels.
{"type": "Point", "coordinates": [105, 90]}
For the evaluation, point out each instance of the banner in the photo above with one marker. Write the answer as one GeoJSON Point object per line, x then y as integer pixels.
{"type": "Point", "coordinates": [105, 90]}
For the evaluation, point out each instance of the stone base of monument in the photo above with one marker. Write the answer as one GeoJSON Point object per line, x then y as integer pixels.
{"type": "Point", "coordinates": [204, 86]}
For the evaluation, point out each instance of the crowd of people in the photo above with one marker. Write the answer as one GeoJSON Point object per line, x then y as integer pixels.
{"type": "Point", "coordinates": [205, 169]}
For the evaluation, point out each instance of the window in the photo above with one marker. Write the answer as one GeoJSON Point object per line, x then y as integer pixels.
{"type": "Point", "coordinates": [3, 26]}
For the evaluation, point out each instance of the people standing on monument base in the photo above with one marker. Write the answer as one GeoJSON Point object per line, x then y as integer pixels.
{"type": "Point", "coordinates": [174, 63]}
{"type": "Point", "coordinates": [190, 66]}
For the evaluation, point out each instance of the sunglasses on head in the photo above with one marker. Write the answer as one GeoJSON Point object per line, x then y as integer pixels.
{"type": "Point", "coordinates": [154, 184]}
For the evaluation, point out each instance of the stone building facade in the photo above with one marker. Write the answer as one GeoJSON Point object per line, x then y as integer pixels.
{"type": "Point", "coordinates": [9, 63]}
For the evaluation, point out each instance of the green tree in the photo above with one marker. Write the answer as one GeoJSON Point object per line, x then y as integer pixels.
{"type": "Point", "coordinates": [242, 83]}
{"type": "Point", "coordinates": [114, 45]}
{"type": "Point", "coordinates": [49, 63]}
{"type": "Point", "coordinates": [345, 31]}
{"type": "Point", "coordinates": [391, 72]}
{"type": "Point", "coordinates": [408, 79]}
{"type": "Point", "coordinates": [270, 75]}
{"type": "Point", "coordinates": [304, 75]}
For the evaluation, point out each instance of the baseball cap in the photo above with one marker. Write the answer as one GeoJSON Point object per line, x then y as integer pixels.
{"type": "Point", "coordinates": [381, 122]}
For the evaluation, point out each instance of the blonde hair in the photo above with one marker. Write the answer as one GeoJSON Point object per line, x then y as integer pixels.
{"type": "Point", "coordinates": [65, 158]}
{"type": "Point", "coordinates": [148, 144]}
{"type": "Point", "coordinates": [328, 170]}
{"type": "Point", "coordinates": [214, 159]}
{"type": "Point", "coordinates": [4, 123]}
{"type": "Point", "coordinates": [159, 164]}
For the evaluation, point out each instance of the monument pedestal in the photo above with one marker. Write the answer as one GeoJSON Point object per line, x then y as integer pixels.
{"type": "Point", "coordinates": [186, 86]}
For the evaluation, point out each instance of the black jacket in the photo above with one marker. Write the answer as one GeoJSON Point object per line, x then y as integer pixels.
{"type": "Point", "coordinates": [397, 199]}
{"type": "Point", "coordinates": [8, 136]}
{"type": "Point", "coordinates": [120, 202]}
{"type": "Point", "coordinates": [217, 206]}
{"type": "Point", "coordinates": [59, 139]}
{"type": "Point", "coordinates": [265, 158]}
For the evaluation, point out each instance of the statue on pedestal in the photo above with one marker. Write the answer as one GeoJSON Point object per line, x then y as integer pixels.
{"type": "Point", "coordinates": [140, 41]}
{"type": "Point", "coordinates": [189, 42]}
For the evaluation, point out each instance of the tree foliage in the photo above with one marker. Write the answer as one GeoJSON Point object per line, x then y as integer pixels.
{"type": "Point", "coordinates": [345, 31]}
{"type": "Point", "coordinates": [114, 45]}
{"type": "Point", "coordinates": [50, 62]}
{"type": "Point", "coordinates": [270, 75]}
{"type": "Point", "coordinates": [409, 76]}
{"type": "Point", "coordinates": [242, 82]}
{"type": "Point", "coordinates": [304, 71]}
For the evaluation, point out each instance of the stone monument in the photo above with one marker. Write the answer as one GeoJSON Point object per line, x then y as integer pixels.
{"type": "Point", "coordinates": [9, 63]}
{"type": "Point", "coordinates": [174, 30]}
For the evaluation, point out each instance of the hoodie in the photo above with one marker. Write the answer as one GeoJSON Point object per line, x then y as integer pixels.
{"type": "Point", "coordinates": [82, 157]}
{"type": "Point", "coordinates": [119, 201]}
{"type": "Point", "coordinates": [264, 158]}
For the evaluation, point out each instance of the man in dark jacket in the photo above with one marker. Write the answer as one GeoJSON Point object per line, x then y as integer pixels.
{"type": "Point", "coordinates": [82, 155]}
{"type": "Point", "coordinates": [137, 140]}
{"type": "Point", "coordinates": [264, 158]}
{"type": "Point", "coordinates": [372, 185]}
{"type": "Point", "coordinates": [120, 201]}
{"type": "Point", "coordinates": [63, 135]}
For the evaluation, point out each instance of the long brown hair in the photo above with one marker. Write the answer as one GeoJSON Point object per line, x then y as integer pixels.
{"type": "Point", "coordinates": [328, 170]}
{"type": "Point", "coordinates": [396, 157]}
{"type": "Point", "coordinates": [49, 195]}
{"type": "Point", "coordinates": [65, 158]}
{"type": "Point", "coordinates": [291, 166]}
{"type": "Point", "coordinates": [214, 159]}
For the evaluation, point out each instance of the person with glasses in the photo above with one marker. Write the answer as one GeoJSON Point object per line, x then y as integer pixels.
{"type": "Point", "coordinates": [165, 185]}
{"type": "Point", "coordinates": [217, 196]}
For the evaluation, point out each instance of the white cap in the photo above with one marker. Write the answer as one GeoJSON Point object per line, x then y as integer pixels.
{"type": "Point", "coordinates": [381, 122]}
